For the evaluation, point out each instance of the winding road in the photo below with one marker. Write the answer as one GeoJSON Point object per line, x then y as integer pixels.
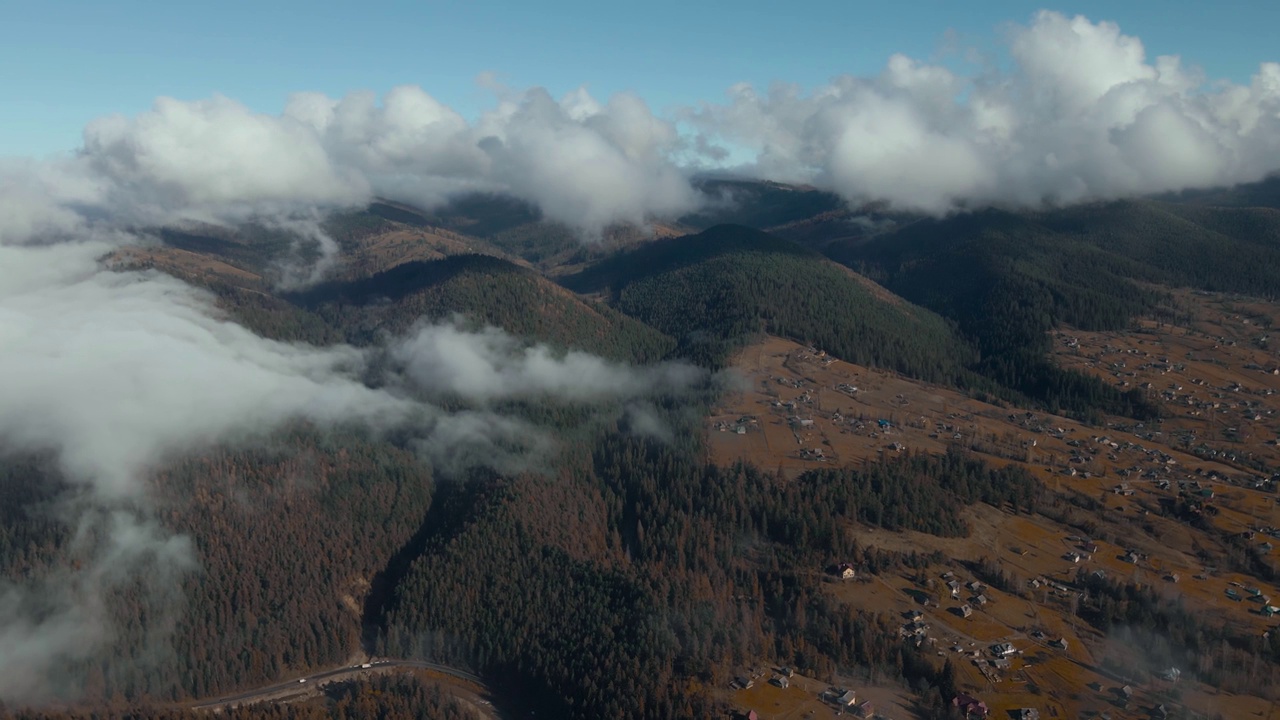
{"type": "Point", "coordinates": [307, 684]}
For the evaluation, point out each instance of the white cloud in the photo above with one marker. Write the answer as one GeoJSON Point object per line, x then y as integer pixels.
{"type": "Point", "coordinates": [210, 159]}
{"type": "Point", "coordinates": [583, 163]}
{"type": "Point", "coordinates": [492, 365]}
{"type": "Point", "coordinates": [1082, 114]}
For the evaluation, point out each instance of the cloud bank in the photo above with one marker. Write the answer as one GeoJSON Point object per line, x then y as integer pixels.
{"type": "Point", "coordinates": [1080, 114]}
{"type": "Point", "coordinates": [1068, 110]}
{"type": "Point", "coordinates": [583, 163]}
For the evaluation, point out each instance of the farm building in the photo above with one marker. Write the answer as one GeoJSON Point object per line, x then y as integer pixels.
{"type": "Point", "coordinates": [970, 706]}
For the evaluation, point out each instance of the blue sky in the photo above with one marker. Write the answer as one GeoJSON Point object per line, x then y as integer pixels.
{"type": "Point", "coordinates": [66, 62]}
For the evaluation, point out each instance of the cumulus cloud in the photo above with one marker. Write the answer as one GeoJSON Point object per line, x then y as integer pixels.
{"type": "Point", "coordinates": [1081, 115]}
{"type": "Point", "coordinates": [1079, 112]}
{"type": "Point", "coordinates": [584, 163]}
{"type": "Point", "coordinates": [212, 157]}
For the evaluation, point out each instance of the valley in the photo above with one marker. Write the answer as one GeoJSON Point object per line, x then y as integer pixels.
{"type": "Point", "coordinates": [1185, 505]}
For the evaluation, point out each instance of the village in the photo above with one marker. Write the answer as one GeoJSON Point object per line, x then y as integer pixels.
{"type": "Point", "coordinates": [1185, 504]}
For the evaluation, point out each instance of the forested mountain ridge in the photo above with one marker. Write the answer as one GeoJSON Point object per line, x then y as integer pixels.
{"type": "Point", "coordinates": [714, 290]}
{"type": "Point", "coordinates": [486, 290]}
{"type": "Point", "coordinates": [1008, 278]}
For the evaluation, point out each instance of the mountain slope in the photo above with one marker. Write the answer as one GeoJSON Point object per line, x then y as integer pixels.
{"type": "Point", "coordinates": [715, 289]}
{"type": "Point", "coordinates": [515, 229]}
{"type": "Point", "coordinates": [1008, 278]}
{"type": "Point", "coordinates": [487, 290]}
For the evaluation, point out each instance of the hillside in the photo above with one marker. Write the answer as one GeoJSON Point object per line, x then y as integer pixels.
{"type": "Point", "coordinates": [1008, 278]}
{"type": "Point", "coordinates": [716, 289]}
{"type": "Point", "coordinates": [759, 204]}
{"type": "Point", "coordinates": [256, 257]}
{"type": "Point", "coordinates": [518, 230]}
{"type": "Point", "coordinates": [488, 291]}
{"type": "Point", "coordinates": [390, 274]}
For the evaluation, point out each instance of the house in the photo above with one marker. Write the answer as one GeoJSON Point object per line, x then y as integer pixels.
{"type": "Point", "coordinates": [976, 586]}
{"type": "Point", "coordinates": [979, 600]}
{"type": "Point", "coordinates": [1060, 643]}
{"type": "Point", "coordinates": [846, 571]}
{"type": "Point", "coordinates": [970, 706]}
{"type": "Point", "coordinates": [1090, 547]}
{"type": "Point", "coordinates": [1003, 649]}
{"type": "Point", "coordinates": [954, 587]}
{"type": "Point", "coordinates": [848, 698]}
{"type": "Point", "coordinates": [1073, 557]}
{"type": "Point", "coordinates": [864, 709]}
{"type": "Point", "coordinates": [787, 672]}
{"type": "Point", "coordinates": [1026, 714]}
{"type": "Point", "coordinates": [781, 681]}
{"type": "Point", "coordinates": [964, 611]}
{"type": "Point", "coordinates": [742, 682]}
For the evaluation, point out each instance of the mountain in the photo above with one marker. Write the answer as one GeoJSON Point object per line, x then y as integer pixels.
{"type": "Point", "coordinates": [518, 229]}
{"type": "Point", "coordinates": [1265, 194]}
{"type": "Point", "coordinates": [759, 204]}
{"type": "Point", "coordinates": [716, 289]}
{"type": "Point", "coordinates": [488, 291]}
{"type": "Point", "coordinates": [1007, 278]}
{"type": "Point", "coordinates": [390, 274]}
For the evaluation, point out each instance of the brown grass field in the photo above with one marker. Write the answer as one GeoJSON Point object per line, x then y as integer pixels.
{"type": "Point", "coordinates": [797, 409]}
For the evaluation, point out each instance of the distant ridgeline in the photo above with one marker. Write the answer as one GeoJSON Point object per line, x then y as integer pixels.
{"type": "Point", "coordinates": [488, 291]}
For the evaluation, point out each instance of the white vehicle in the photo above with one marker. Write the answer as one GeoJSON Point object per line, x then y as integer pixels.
{"type": "Point", "coordinates": [367, 665]}
{"type": "Point", "coordinates": [302, 680]}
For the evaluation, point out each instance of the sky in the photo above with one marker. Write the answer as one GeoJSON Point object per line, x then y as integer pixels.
{"type": "Point", "coordinates": [69, 61]}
